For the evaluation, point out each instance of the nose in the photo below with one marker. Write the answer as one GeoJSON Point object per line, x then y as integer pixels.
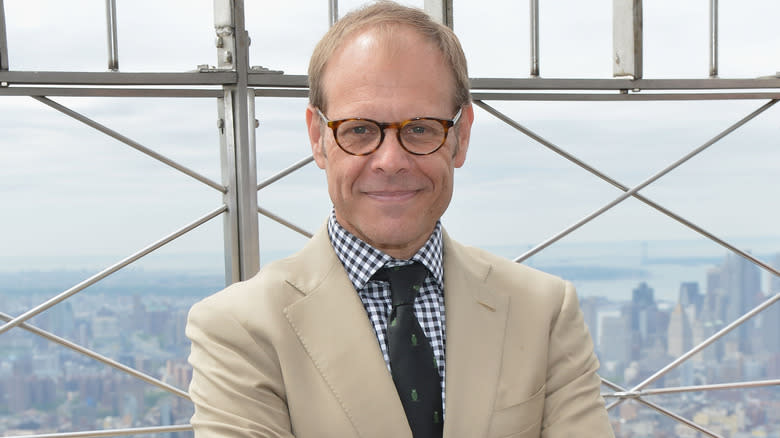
{"type": "Point", "coordinates": [391, 157]}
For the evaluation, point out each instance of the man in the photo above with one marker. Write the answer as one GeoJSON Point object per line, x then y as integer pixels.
{"type": "Point", "coordinates": [308, 347]}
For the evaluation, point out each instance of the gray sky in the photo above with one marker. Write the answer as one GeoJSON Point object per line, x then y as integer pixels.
{"type": "Point", "coordinates": [68, 191]}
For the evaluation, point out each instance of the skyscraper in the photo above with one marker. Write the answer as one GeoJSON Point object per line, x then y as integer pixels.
{"type": "Point", "coordinates": [771, 316]}
{"type": "Point", "coordinates": [738, 283]}
{"type": "Point", "coordinates": [680, 334]}
{"type": "Point", "coordinates": [643, 320]}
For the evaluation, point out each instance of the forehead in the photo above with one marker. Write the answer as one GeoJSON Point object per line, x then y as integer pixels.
{"type": "Point", "coordinates": [394, 61]}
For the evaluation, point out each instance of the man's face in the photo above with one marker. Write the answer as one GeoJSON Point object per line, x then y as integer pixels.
{"type": "Point", "coordinates": [391, 199]}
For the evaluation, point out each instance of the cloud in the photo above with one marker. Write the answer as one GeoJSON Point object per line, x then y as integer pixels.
{"type": "Point", "coordinates": [70, 189]}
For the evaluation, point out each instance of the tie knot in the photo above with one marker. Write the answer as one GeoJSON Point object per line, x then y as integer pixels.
{"type": "Point", "coordinates": [405, 281]}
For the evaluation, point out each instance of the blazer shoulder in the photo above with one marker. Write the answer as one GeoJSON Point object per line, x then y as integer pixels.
{"type": "Point", "coordinates": [278, 284]}
{"type": "Point", "coordinates": [267, 291]}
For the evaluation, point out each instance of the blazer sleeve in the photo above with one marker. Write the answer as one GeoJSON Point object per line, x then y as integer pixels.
{"type": "Point", "coordinates": [573, 403]}
{"type": "Point", "coordinates": [236, 382]}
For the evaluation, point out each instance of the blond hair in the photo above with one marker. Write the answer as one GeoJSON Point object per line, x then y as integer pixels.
{"type": "Point", "coordinates": [384, 15]}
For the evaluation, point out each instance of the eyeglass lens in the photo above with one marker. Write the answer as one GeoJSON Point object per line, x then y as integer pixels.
{"type": "Point", "coordinates": [418, 136]}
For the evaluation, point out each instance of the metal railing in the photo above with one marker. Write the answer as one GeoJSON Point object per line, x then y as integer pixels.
{"type": "Point", "coordinates": [236, 86]}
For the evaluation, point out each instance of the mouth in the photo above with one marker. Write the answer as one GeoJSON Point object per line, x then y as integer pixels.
{"type": "Point", "coordinates": [391, 195]}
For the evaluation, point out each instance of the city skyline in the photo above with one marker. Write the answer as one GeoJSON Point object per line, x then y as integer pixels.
{"type": "Point", "coordinates": [142, 327]}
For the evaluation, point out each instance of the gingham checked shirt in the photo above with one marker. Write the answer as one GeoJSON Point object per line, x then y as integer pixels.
{"type": "Point", "coordinates": [361, 261]}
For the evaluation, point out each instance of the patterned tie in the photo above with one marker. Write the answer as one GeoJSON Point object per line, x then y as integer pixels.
{"type": "Point", "coordinates": [412, 364]}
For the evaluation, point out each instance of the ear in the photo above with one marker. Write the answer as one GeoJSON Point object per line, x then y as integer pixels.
{"type": "Point", "coordinates": [316, 139]}
{"type": "Point", "coordinates": [463, 134]}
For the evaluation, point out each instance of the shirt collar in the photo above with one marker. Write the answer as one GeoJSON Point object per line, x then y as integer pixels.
{"type": "Point", "coordinates": [361, 260]}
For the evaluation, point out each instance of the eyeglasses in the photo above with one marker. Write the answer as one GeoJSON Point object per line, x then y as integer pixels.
{"type": "Point", "coordinates": [418, 136]}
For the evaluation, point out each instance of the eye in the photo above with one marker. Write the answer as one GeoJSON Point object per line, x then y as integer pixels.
{"type": "Point", "coordinates": [423, 129]}
{"type": "Point", "coordinates": [359, 129]}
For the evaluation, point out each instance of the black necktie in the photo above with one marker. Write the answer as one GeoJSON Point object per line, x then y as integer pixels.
{"type": "Point", "coordinates": [412, 363]}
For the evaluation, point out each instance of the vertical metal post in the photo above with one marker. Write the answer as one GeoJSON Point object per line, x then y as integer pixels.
{"type": "Point", "coordinates": [111, 31]}
{"type": "Point", "coordinates": [227, 153]}
{"type": "Point", "coordinates": [534, 38]}
{"type": "Point", "coordinates": [237, 124]}
{"type": "Point", "coordinates": [3, 40]}
{"type": "Point", "coordinates": [440, 11]}
{"type": "Point", "coordinates": [224, 28]}
{"type": "Point", "coordinates": [627, 38]}
{"type": "Point", "coordinates": [713, 38]}
{"type": "Point", "coordinates": [333, 11]}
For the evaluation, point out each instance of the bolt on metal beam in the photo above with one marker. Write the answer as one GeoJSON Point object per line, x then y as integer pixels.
{"type": "Point", "coordinates": [660, 409]}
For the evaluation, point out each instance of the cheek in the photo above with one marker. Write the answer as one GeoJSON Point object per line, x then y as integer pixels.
{"type": "Point", "coordinates": [341, 179]}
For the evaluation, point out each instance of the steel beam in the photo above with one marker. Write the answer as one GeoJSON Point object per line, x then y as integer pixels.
{"type": "Point", "coordinates": [627, 38]}
{"type": "Point", "coordinates": [768, 82]}
{"type": "Point", "coordinates": [440, 11]}
{"type": "Point", "coordinates": [269, 80]}
{"type": "Point", "coordinates": [534, 37]}
{"type": "Point", "coordinates": [622, 97]}
{"type": "Point", "coordinates": [634, 190]}
{"type": "Point", "coordinates": [99, 357]}
{"type": "Point", "coordinates": [272, 179]}
{"type": "Point", "coordinates": [3, 40]}
{"type": "Point", "coordinates": [300, 82]}
{"type": "Point", "coordinates": [132, 143]}
{"type": "Point", "coordinates": [116, 78]}
{"type": "Point", "coordinates": [266, 80]}
{"type": "Point", "coordinates": [280, 220]}
{"type": "Point", "coordinates": [115, 432]}
{"type": "Point", "coordinates": [333, 12]}
{"type": "Point", "coordinates": [110, 270]}
{"type": "Point", "coordinates": [659, 409]}
{"type": "Point", "coordinates": [110, 92]}
{"type": "Point", "coordinates": [111, 32]}
{"type": "Point", "coordinates": [713, 38]}
{"type": "Point", "coordinates": [227, 153]}
{"type": "Point", "coordinates": [224, 26]}
{"type": "Point", "coordinates": [237, 138]}
{"type": "Point", "coordinates": [592, 170]}
{"type": "Point", "coordinates": [695, 388]}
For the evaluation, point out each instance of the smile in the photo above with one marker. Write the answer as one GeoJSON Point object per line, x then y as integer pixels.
{"type": "Point", "coordinates": [392, 195]}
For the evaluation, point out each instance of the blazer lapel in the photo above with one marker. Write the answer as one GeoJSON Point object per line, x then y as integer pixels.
{"type": "Point", "coordinates": [476, 323]}
{"type": "Point", "coordinates": [333, 327]}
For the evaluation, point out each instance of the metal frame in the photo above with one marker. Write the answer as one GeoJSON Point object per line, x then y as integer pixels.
{"type": "Point", "coordinates": [234, 85]}
{"type": "Point", "coordinates": [534, 38]}
{"type": "Point", "coordinates": [3, 40]}
{"type": "Point", "coordinates": [713, 38]}
{"type": "Point", "coordinates": [113, 41]}
{"type": "Point", "coordinates": [627, 38]}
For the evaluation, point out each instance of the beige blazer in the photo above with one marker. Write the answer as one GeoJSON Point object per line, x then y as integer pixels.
{"type": "Point", "coordinates": [291, 352]}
